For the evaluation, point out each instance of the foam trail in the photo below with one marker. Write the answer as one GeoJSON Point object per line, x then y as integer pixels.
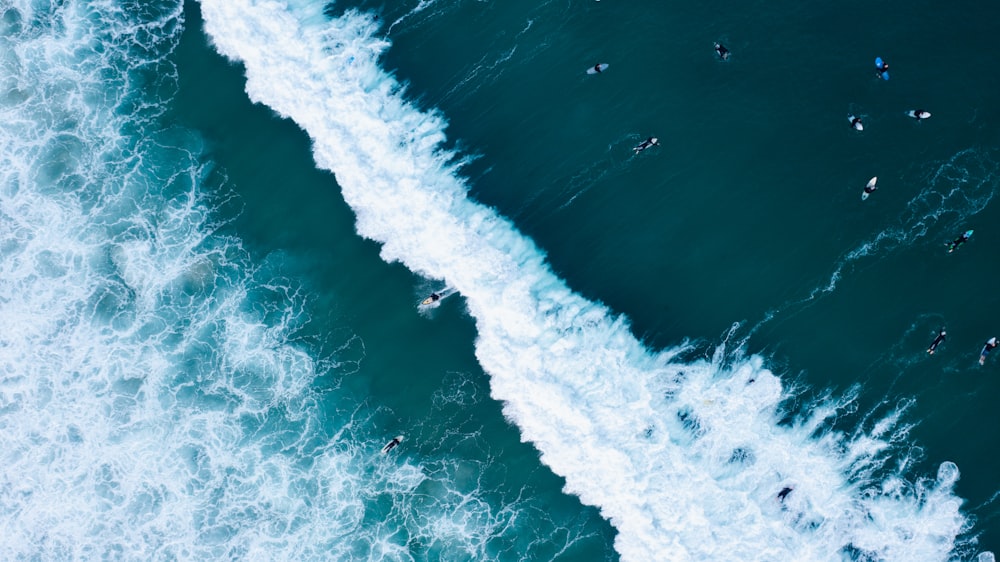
{"type": "Point", "coordinates": [951, 194]}
{"type": "Point", "coordinates": [685, 459]}
{"type": "Point", "coordinates": [151, 405]}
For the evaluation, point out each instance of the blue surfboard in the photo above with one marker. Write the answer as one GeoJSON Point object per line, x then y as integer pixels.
{"type": "Point", "coordinates": [879, 63]}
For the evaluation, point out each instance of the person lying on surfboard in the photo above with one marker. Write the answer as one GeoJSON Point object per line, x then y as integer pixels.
{"type": "Point", "coordinates": [987, 348]}
{"type": "Point", "coordinates": [871, 187]}
{"type": "Point", "coordinates": [651, 141]}
{"type": "Point", "coordinates": [937, 341]}
{"type": "Point", "coordinates": [392, 444]}
{"type": "Point", "coordinates": [958, 242]}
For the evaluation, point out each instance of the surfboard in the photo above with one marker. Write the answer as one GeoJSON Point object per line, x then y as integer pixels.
{"type": "Point", "coordinates": [952, 246]}
{"type": "Point", "coordinates": [392, 444]}
{"type": "Point", "coordinates": [878, 68]}
{"type": "Point", "coordinates": [918, 114]}
{"type": "Point", "coordinates": [857, 125]}
{"type": "Point", "coordinates": [870, 186]}
{"type": "Point", "coordinates": [598, 68]}
{"type": "Point", "coordinates": [441, 294]}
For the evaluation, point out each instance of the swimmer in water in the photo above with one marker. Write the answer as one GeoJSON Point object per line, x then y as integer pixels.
{"type": "Point", "coordinates": [784, 493]}
{"type": "Point", "coordinates": [937, 341]}
{"type": "Point", "coordinates": [651, 141]}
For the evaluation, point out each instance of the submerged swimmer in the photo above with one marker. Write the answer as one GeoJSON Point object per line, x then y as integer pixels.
{"type": "Point", "coordinates": [937, 341]}
{"type": "Point", "coordinates": [651, 141]}
{"type": "Point", "coordinates": [987, 348]}
{"type": "Point", "coordinates": [722, 51]}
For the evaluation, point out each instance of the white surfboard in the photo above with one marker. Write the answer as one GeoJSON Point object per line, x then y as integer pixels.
{"type": "Point", "coordinates": [856, 124]}
{"type": "Point", "coordinates": [437, 296]}
{"type": "Point", "coordinates": [869, 187]}
{"type": "Point", "coordinates": [392, 444]}
{"type": "Point", "coordinates": [598, 68]}
{"type": "Point", "coordinates": [918, 114]}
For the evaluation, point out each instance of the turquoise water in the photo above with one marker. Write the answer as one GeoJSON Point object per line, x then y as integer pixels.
{"type": "Point", "coordinates": [212, 269]}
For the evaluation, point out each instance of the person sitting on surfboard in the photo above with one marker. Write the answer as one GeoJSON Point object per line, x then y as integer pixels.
{"type": "Point", "coordinates": [958, 242]}
{"type": "Point", "coordinates": [870, 188]}
{"type": "Point", "coordinates": [883, 69]}
{"type": "Point", "coordinates": [722, 51]}
{"type": "Point", "coordinates": [855, 122]}
{"type": "Point", "coordinates": [651, 141]}
{"type": "Point", "coordinates": [597, 68]}
{"type": "Point", "coordinates": [937, 341]}
{"type": "Point", "coordinates": [987, 348]}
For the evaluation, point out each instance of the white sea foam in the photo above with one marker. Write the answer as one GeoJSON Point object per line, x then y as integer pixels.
{"type": "Point", "coordinates": [151, 407]}
{"type": "Point", "coordinates": [685, 459]}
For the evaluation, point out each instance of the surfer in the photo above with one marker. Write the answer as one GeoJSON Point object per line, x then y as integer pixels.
{"type": "Point", "coordinates": [392, 444]}
{"type": "Point", "coordinates": [937, 341]}
{"type": "Point", "coordinates": [722, 51]}
{"type": "Point", "coordinates": [597, 68]}
{"type": "Point", "coordinates": [881, 70]}
{"type": "Point", "coordinates": [651, 141]}
{"type": "Point", "coordinates": [856, 122]}
{"type": "Point", "coordinates": [919, 114]}
{"type": "Point", "coordinates": [870, 188]}
{"type": "Point", "coordinates": [954, 244]}
{"type": "Point", "coordinates": [784, 493]}
{"type": "Point", "coordinates": [987, 348]}
{"type": "Point", "coordinates": [433, 298]}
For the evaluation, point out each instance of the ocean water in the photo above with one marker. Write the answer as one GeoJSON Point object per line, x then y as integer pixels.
{"type": "Point", "coordinates": [217, 220]}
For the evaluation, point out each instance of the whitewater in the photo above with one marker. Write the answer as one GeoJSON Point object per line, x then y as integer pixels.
{"type": "Point", "coordinates": [157, 398]}
{"type": "Point", "coordinates": [685, 456]}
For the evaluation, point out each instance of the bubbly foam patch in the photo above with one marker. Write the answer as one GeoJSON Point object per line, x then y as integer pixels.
{"type": "Point", "coordinates": [151, 405]}
{"type": "Point", "coordinates": [690, 460]}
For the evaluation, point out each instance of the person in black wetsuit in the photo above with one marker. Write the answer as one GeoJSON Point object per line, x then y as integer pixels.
{"type": "Point", "coordinates": [957, 242]}
{"type": "Point", "coordinates": [597, 68]}
{"type": "Point", "coordinates": [391, 444]}
{"type": "Point", "coordinates": [937, 341]}
{"type": "Point", "coordinates": [651, 141]}
{"type": "Point", "coordinates": [722, 51]}
{"type": "Point", "coordinates": [987, 348]}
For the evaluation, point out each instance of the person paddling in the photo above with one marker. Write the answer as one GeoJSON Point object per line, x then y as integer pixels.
{"type": "Point", "coordinates": [937, 341]}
